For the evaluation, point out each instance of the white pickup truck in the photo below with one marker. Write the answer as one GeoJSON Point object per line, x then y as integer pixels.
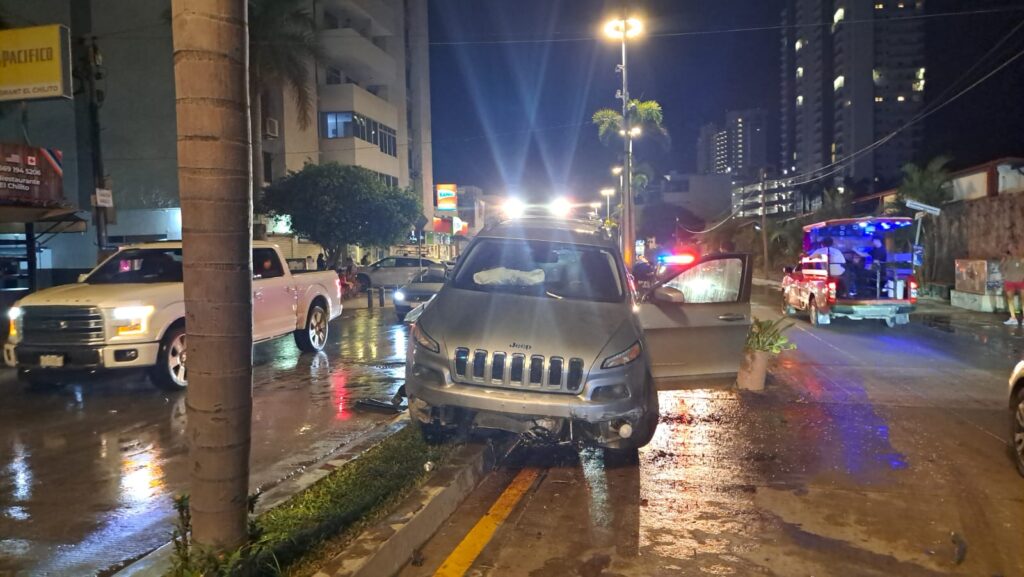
{"type": "Point", "coordinates": [129, 313]}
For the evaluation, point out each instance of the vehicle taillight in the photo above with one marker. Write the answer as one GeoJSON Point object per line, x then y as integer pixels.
{"type": "Point", "coordinates": [337, 285]}
{"type": "Point", "coordinates": [832, 291]}
{"type": "Point", "coordinates": [913, 291]}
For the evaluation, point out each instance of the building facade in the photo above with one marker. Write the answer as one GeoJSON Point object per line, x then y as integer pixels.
{"type": "Point", "coordinates": [738, 149]}
{"type": "Point", "coordinates": [849, 85]}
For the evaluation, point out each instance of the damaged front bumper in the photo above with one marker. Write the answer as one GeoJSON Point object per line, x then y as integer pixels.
{"type": "Point", "coordinates": [606, 411]}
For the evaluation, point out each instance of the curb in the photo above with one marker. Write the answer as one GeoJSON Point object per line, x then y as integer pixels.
{"type": "Point", "coordinates": [158, 561]}
{"type": "Point", "coordinates": [384, 548]}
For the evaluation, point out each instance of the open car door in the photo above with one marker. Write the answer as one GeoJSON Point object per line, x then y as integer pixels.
{"type": "Point", "coordinates": [696, 321]}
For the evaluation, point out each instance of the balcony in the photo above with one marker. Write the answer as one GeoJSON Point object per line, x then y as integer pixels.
{"type": "Point", "coordinates": [376, 14]}
{"type": "Point", "coordinates": [358, 56]}
{"type": "Point", "coordinates": [352, 98]}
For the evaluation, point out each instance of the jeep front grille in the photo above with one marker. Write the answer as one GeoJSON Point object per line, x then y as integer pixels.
{"type": "Point", "coordinates": [517, 371]}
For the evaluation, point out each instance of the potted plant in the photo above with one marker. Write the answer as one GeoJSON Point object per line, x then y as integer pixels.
{"type": "Point", "coordinates": [764, 339]}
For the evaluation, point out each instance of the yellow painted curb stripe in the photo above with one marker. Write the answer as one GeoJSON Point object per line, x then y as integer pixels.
{"type": "Point", "coordinates": [462, 558]}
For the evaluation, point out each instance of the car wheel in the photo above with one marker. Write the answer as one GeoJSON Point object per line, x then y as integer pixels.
{"type": "Point", "coordinates": [170, 373]}
{"type": "Point", "coordinates": [787, 309]}
{"type": "Point", "coordinates": [313, 337]}
{"type": "Point", "coordinates": [818, 318]}
{"type": "Point", "coordinates": [889, 322]}
{"type": "Point", "coordinates": [1017, 434]}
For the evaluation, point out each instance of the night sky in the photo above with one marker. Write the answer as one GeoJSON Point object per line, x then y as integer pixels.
{"type": "Point", "coordinates": [510, 115]}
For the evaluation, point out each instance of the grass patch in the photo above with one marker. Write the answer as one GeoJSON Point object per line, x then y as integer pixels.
{"type": "Point", "coordinates": [307, 530]}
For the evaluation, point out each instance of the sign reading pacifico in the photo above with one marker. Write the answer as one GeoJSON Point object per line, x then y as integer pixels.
{"type": "Point", "coordinates": [35, 63]}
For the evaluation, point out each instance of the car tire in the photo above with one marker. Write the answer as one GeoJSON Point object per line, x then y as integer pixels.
{"type": "Point", "coordinates": [313, 336]}
{"type": "Point", "coordinates": [818, 318]}
{"type": "Point", "coordinates": [170, 372]}
{"type": "Point", "coordinates": [787, 309]}
{"type": "Point", "coordinates": [1017, 429]}
{"type": "Point", "coordinates": [890, 322]}
{"type": "Point", "coordinates": [432, 433]}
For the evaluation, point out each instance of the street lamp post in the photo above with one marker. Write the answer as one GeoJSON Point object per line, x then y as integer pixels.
{"type": "Point", "coordinates": [608, 193]}
{"type": "Point", "coordinates": [623, 29]}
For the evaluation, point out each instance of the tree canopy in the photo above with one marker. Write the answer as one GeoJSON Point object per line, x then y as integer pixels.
{"type": "Point", "coordinates": [644, 113]}
{"type": "Point", "coordinates": [928, 183]}
{"type": "Point", "coordinates": [335, 205]}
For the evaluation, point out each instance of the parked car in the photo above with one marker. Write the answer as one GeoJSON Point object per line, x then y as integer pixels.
{"type": "Point", "coordinates": [539, 333]}
{"type": "Point", "coordinates": [394, 271]}
{"type": "Point", "coordinates": [422, 288]}
{"type": "Point", "coordinates": [129, 313]}
{"type": "Point", "coordinates": [1017, 415]}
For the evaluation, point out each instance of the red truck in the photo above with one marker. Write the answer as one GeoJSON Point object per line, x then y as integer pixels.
{"type": "Point", "coordinates": [884, 290]}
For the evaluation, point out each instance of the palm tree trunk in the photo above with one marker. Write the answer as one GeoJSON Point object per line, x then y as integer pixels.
{"type": "Point", "coordinates": [214, 177]}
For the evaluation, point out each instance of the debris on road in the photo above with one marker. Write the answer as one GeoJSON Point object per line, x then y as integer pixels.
{"type": "Point", "coordinates": [376, 405]}
{"type": "Point", "coordinates": [960, 553]}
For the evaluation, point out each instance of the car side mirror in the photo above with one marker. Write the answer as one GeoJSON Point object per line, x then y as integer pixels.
{"type": "Point", "coordinates": [787, 270]}
{"type": "Point", "coordinates": [83, 276]}
{"type": "Point", "coordinates": [666, 294]}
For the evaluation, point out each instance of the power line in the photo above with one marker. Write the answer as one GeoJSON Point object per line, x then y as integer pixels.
{"type": "Point", "coordinates": [732, 30]}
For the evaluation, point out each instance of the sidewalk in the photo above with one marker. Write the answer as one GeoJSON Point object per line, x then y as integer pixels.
{"type": "Point", "coordinates": [985, 328]}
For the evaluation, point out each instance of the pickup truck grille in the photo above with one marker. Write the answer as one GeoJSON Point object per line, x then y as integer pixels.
{"type": "Point", "coordinates": [61, 325]}
{"type": "Point", "coordinates": [518, 371]}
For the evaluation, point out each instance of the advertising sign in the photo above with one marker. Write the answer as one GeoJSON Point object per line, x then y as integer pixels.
{"type": "Point", "coordinates": [30, 175]}
{"type": "Point", "coordinates": [35, 63]}
{"type": "Point", "coordinates": [447, 197]}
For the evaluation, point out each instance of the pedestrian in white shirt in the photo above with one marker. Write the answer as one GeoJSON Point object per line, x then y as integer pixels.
{"type": "Point", "coordinates": [836, 260]}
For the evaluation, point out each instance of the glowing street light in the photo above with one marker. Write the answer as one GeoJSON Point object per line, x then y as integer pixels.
{"type": "Point", "coordinates": [616, 170]}
{"type": "Point", "coordinates": [620, 29]}
{"type": "Point", "coordinates": [608, 193]}
{"type": "Point", "coordinates": [635, 131]}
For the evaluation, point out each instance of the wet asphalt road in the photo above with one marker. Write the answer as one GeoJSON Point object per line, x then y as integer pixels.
{"type": "Point", "coordinates": [875, 452]}
{"type": "Point", "coordinates": [87, 472]}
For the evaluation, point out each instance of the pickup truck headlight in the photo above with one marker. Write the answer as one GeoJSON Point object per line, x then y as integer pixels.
{"type": "Point", "coordinates": [423, 339]}
{"type": "Point", "coordinates": [132, 321]}
{"type": "Point", "coordinates": [399, 296]}
{"type": "Point", "coordinates": [14, 316]}
{"type": "Point", "coordinates": [624, 358]}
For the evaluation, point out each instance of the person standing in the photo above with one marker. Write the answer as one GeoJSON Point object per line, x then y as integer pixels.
{"type": "Point", "coordinates": [1012, 268]}
{"type": "Point", "coordinates": [321, 262]}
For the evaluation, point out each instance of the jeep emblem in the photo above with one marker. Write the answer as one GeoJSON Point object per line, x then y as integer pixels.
{"type": "Point", "coordinates": [521, 346]}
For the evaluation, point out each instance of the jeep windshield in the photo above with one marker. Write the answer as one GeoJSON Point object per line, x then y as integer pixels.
{"type": "Point", "coordinates": [541, 269]}
{"type": "Point", "coordinates": [139, 265]}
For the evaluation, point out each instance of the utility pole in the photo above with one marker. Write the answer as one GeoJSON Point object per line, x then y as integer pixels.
{"type": "Point", "coordinates": [92, 61]}
{"type": "Point", "coordinates": [764, 218]}
{"type": "Point", "coordinates": [628, 219]}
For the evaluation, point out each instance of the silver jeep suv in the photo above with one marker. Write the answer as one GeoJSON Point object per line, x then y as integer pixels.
{"type": "Point", "coordinates": [538, 332]}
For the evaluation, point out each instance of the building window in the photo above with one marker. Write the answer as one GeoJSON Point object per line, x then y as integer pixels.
{"type": "Point", "coordinates": [839, 82]}
{"type": "Point", "coordinates": [334, 76]}
{"type": "Point", "coordinates": [876, 75]}
{"type": "Point", "coordinates": [901, 98]}
{"type": "Point", "coordinates": [838, 16]}
{"type": "Point", "coordinates": [879, 6]}
{"type": "Point", "coordinates": [879, 99]}
{"type": "Point", "coordinates": [799, 71]}
{"type": "Point", "coordinates": [918, 85]}
{"type": "Point", "coordinates": [800, 100]}
{"type": "Point", "coordinates": [337, 124]}
{"type": "Point", "coordinates": [799, 44]}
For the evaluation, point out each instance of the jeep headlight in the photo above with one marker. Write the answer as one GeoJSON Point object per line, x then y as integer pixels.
{"type": "Point", "coordinates": [423, 339]}
{"type": "Point", "coordinates": [624, 358]}
{"type": "Point", "coordinates": [399, 296]}
{"type": "Point", "coordinates": [132, 321]}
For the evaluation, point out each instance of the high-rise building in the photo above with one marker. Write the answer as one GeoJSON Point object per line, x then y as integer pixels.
{"type": "Point", "coordinates": [373, 96]}
{"type": "Point", "coordinates": [847, 85]}
{"type": "Point", "coordinates": [738, 149]}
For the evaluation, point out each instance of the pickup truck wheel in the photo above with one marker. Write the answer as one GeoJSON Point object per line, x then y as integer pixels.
{"type": "Point", "coordinates": [313, 337]}
{"type": "Point", "coordinates": [787, 309]}
{"type": "Point", "coordinates": [818, 318]}
{"type": "Point", "coordinates": [169, 372]}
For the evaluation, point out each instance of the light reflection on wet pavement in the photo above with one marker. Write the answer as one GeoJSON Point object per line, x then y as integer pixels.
{"type": "Point", "coordinates": [871, 448]}
{"type": "Point", "coordinates": [87, 471]}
